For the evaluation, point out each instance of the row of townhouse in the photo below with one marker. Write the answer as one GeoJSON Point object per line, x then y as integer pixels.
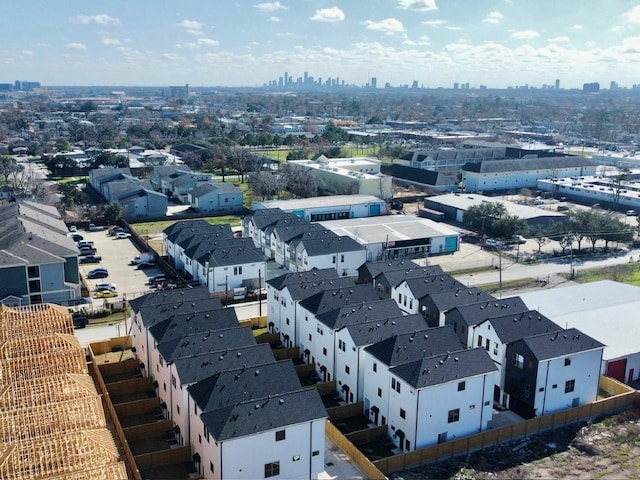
{"type": "Point", "coordinates": [300, 245]}
{"type": "Point", "coordinates": [383, 348]}
{"type": "Point", "coordinates": [225, 394]}
{"type": "Point", "coordinates": [198, 190]}
{"type": "Point", "coordinates": [212, 256]}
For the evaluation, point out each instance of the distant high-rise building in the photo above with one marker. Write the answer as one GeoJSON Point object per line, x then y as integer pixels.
{"type": "Point", "coordinates": [456, 86]}
{"type": "Point", "coordinates": [17, 85]}
{"type": "Point", "coordinates": [414, 85]}
{"type": "Point", "coordinates": [306, 77]}
{"type": "Point", "coordinates": [613, 85]}
{"type": "Point", "coordinates": [179, 92]}
{"type": "Point", "coordinates": [286, 78]}
{"type": "Point", "coordinates": [593, 87]}
{"type": "Point", "coordinates": [374, 82]}
{"type": "Point", "coordinates": [557, 86]}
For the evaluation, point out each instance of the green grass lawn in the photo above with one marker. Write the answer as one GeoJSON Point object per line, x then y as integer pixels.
{"type": "Point", "coordinates": [625, 273]}
{"type": "Point", "coordinates": [347, 151]}
{"type": "Point", "coordinates": [152, 228]}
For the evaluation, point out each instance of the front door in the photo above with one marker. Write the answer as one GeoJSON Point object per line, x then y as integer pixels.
{"type": "Point", "coordinates": [630, 377]}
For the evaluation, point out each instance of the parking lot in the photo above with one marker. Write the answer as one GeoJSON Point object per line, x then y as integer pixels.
{"type": "Point", "coordinates": [116, 255]}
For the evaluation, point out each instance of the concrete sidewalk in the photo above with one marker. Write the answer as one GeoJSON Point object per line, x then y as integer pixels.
{"type": "Point", "coordinates": [337, 464]}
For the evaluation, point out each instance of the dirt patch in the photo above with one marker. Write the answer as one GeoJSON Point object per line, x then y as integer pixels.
{"type": "Point", "coordinates": [607, 449]}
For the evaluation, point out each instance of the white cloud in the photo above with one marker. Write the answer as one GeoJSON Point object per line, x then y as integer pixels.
{"type": "Point", "coordinates": [333, 14]}
{"type": "Point", "coordinates": [101, 19]}
{"type": "Point", "coordinates": [525, 34]}
{"type": "Point", "coordinates": [110, 41]}
{"type": "Point", "coordinates": [493, 17]}
{"type": "Point", "coordinates": [434, 22]}
{"type": "Point", "coordinates": [28, 53]}
{"type": "Point", "coordinates": [390, 26]}
{"type": "Point", "coordinates": [419, 5]}
{"type": "Point", "coordinates": [423, 41]}
{"type": "Point", "coordinates": [172, 57]}
{"type": "Point", "coordinates": [559, 39]}
{"type": "Point", "coordinates": [577, 27]}
{"type": "Point", "coordinates": [616, 28]}
{"type": "Point", "coordinates": [273, 18]}
{"type": "Point", "coordinates": [208, 42]}
{"type": "Point", "coordinates": [270, 6]}
{"type": "Point", "coordinates": [284, 34]}
{"type": "Point", "coordinates": [454, 29]}
{"type": "Point", "coordinates": [192, 26]}
{"type": "Point", "coordinates": [633, 15]}
{"type": "Point", "coordinates": [76, 46]}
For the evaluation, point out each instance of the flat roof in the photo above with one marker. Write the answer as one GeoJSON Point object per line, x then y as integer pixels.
{"type": "Point", "coordinates": [606, 310]}
{"type": "Point", "coordinates": [388, 228]}
{"type": "Point", "coordinates": [313, 202]}
{"type": "Point", "coordinates": [463, 201]}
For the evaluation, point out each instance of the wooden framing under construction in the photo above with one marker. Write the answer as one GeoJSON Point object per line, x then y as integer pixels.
{"type": "Point", "coordinates": [52, 424]}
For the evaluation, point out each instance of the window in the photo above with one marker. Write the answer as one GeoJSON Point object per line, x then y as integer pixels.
{"type": "Point", "coordinates": [160, 361]}
{"type": "Point", "coordinates": [178, 409]}
{"type": "Point", "coordinates": [567, 362]}
{"type": "Point", "coordinates": [333, 259]}
{"type": "Point", "coordinates": [199, 438]}
{"type": "Point", "coordinates": [341, 258]}
{"type": "Point", "coordinates": [237, 270]}
{"type": "Point", "coordinates": [518, 360]}
{"type": "Point", "coordinates": [324, 351]}
{"type": "Point", "coordinates": [375, 367]}
{"type": "Point", "coordinates": [403, 414]}
{"type": "Point", "coordinates": [310, 337]}
{"type": "Point", "coordinates": [280, 435]}
{"type": "Point", "coordinates": [287, 321]}
{"type": "Point", "coordinates": [479, 340]}
{"type": "Point", "coordinates": [408, 445]}
{"type": "Point", "coordinates": [271, 469]}
{"type": "Point", "coordinates": [527, 390]}
{"type": "Point", "coordinates": [315, 453]}
{"type": "Point", "coordinates": [569, 386]}
{"type": "Point", "coordinates": [462, 386]}
{"type": "Point", "coordinates": [393, 383]}
{"type": "Point", "coordinates": [296, 458]}
{"type": "Point", "coordinates": [398, 386]}
{"type": "Point", "coordinates": [347, 369]}
{"type": "Point", "coordinates": [487, 344]}
{"type": "Point", "coordinates": [380, 392]}
{"type": "Point", "coordinates": [400, 298]}
{"type": "Point", "coordinates": [453, 416]}
{"type": "Point", "coordinates": [173, 381]}
{"type": "Point", "coordinates": [211, 466]}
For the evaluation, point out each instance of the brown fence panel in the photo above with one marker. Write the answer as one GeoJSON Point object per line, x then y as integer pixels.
{"type": "Point", "coordinates": [164, 457]}
{"type": "Point", "coordinates": [147, 430]}
{"type": "Point", "coordinates": [367, 435]}
{"type": "Point", "coordinates": [531, 427]}
{"type": "Point", "coordinates": [107, 346]}
{"type": "Point", "coordinates": [133, 385]}
{"type": "Point", "coordinates": [118, 368]}
{"type": "Point", "coordinates": [284, 353]}
{"type": "Point", "coordinates": [363, 463]}
{"type": "Point", "coordinates": [326, 388]}
{"type": "Point", "coordinates": [345, 411]}
{"type": "Point", "coordinates": [270, 338]}
{"type": "Point", "coordinates": [305, 370]}
{"type": "Point", "coordinates": [139, 406]}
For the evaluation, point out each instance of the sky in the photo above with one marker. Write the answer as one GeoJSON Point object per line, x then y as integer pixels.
{"type": "Point", "coordinates": [497, 43]}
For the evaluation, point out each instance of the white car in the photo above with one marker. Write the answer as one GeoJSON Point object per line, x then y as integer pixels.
{"type": "Point", "coordinates": [106, 286]}
{"type": "Point", "coordinates": [73, 228]}
{"type": "Point", "coordinates": [122, 235]}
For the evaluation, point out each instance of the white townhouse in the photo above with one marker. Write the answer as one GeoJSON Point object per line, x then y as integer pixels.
{"type": "Point", "coordinates": [284, 293]}
{"type": "Point", "coordinates": [552, 372]}
{"type": "Point", "coordinates": [198, 255]}
{"type": "Point", "coordinates": [234, 267]}
{"type": "Point", "coordinates": [494, 334]}
{"type": "Point", "coordinates": [185, 233]}
{"type": "Point", "coordinates": [440, 398]}
{"type": "Point", "coordinates": [435, 305]}
{"type": "Point", "coordinates": [343, 254]}
{"type": "Point", "coordinates": [410, 294]}
{"type": "Point", "coordinates": [254, 226]}
{"type": "Point", "coordinates": [272, 436]}
{"type": "Point", "coordinates": [353, 339]}
{"type": "Point", "coordinates": [285, 231]}
{"type": "Point", "coordinates": [465, 317]}
{"type": "Point", "coordinates": [380, 357]}
{"type": "Point", "coordinates": [317, 333]}
{"type": "Point", "coordinates": [192, 369]}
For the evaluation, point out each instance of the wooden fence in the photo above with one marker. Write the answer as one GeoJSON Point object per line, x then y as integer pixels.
{"type": "Point", "coordinates": [345, 411]}
{"type": "Point", "coordinates": [369, 469]}
{"type": "Point", "coordinates": [623, 399]}
{"type": "Point", "coordinates": [106, 346]}
{"type": "Point", "coordinates": [148, 430]}
{"type": "Point", "coordinates": [164, 457]}
{"type": "Point", "coordinates": [133, 385]}
{"type": "Point", "coordinates": [128, 456]}
{"type": "Point", "coordinates": [326, 388]}
{"type": "Point", "coordinates": [284, 353]}
{"type": "Point", "coordinates": [367, 435]}
{"type": "Point", "coordinates": [137, 407]}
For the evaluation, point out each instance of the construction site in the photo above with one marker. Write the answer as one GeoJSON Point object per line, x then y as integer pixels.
{"type": "Point", "coordinates": [52, 421]}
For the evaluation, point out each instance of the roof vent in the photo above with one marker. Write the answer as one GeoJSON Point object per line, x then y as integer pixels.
{"type": "Point", "coordinates": [257, 406]}
{"type": "Point", "coordinates": [257, 372]}
{"type": "Point", "coordinates": [281, 401]}
{"type": "Point", "coordinates": [239, 354]}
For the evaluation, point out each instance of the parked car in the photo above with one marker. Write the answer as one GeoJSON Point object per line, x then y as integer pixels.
{"type": "Point", "coordinates": [85, 244]}
{"type": "Point", "coordinates": [145, 265]}
{"type": "Point", "coordinates": [73, 228]}
{"type": "Point", "coordinates": [519, 239]}
{"type": "Point", "coordinates": [105, 286]}
{"type": "Point", "coordinates": [120, 235]}
{"type": "Point", "coordinates": [98, 273]}
{"type": "Point", "coordinates": [80, 322]}
{"type": "Point", "coordinates": [538, 201]}
{"type": "Point", "coordinates": [76, 237]}
{"type": "Point", "coordinates": [155, 279]}
{"type": "Point", "coordinates": [91, 259]}
{"type": "Point", "coordinates": [562, 208]}
{"type": "Point", "coordinates": [631, 213]}
{"type": "Point", "coordinates": [87, 251]}
{"type": "Point", "coordinates": [596, 206]}
{"type": "Point", "coordinates": [105, 294]}
{"type": "Point", "coordinates": [494, 244]}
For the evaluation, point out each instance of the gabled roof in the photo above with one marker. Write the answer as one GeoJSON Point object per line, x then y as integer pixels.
{"type": "Point", "coordinates": [152, 314]}
{"type": "Point", "coordinates": [372, 332]}
{"type": "Point", "coordinates": [415, 346]}
{"type": "Point", "coordinates": [445, 368]}
{"type": "Point", "coordinates": [184, 232]}
{"type": "Point", "coordinates": [245, 384]}
{"type": "Point", "coordinates": [107, 172]}
{"type": "Point", "coordinates": [236, 255]}
{"type": "Point", "coordinates": [182, 224]}
{"type": "Point", "coordinates": [510, 328]}
{"type": "Point", "coordinates": [361, 313]}
{"type": "Point", "coordinates": [300, 291]}
{"type": "Point", "coordinates": [200, 251]}
{"type": "Point", "coordinates": [187, 240]}
{"type": "Point", "coordinates": [205, 188]}
{"type": "Point", "coordinates": [559, 344]}
{"type": "Point", "coordinates": [396, 277]}
{"type": "Point", "coordinates": [179, 326]}
{"type": "Point", "coordinates": [198, 367]}
{"type": "Point", "coordinates": [284, 233]}
{"type": "Point", "coordinates": [326, 246]}
{"type": "Point", "coordinates": [270, 413]}
{"type": "Point", "coordinates": [313, 275]}
{"type": "Point", "coordinates": [311, 235]}
{"type": "Point", "coordinates": [265, 217]}
{"type": "Point", "coordinates": [165, 171]}
{"type": "Point", "coordinates": [377, 267]}
{"type": "Point", "coordinates": [167, 297]}
{"type": "Point", "coordinates": [445, 301]}
{"type": "Point", "coordinates": [208, 342]}
{"type": "Point", "coordinates": [478, 312]}
{"type": "Point", "coordinates": [328, 300]}
{"type": "Point", "coordinates": [421, 287]}
{"type": "Point", "coordinates": [524, 164]}
{"type": "Point", "coordinates": [187, 148]}
{"type": "Point", "coordinates": [184, 180]}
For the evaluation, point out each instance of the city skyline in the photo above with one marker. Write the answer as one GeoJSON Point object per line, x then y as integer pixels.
{"type": "Point", "coordinates": [436, 43]}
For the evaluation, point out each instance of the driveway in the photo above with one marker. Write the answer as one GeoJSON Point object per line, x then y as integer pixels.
{"type": "Point", "coordinates": [116, 255]}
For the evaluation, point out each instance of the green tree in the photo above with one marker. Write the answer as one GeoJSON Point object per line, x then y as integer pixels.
{"type": "Point", "coordinates": [483, 217]}
{"type": "Point", "coordinates": [113, 212]}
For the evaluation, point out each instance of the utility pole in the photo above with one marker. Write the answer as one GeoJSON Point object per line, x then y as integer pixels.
{"type": "Point", "coordinates": [571, 273]}
{"type": "Point", "coordinates": [500, 265]}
